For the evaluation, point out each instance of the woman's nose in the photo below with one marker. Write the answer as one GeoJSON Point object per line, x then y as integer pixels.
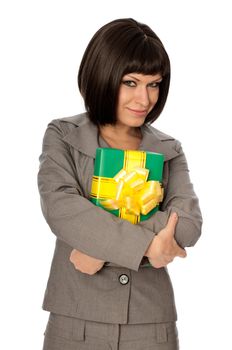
{"type": "Point", "coordinates": [142, 96]}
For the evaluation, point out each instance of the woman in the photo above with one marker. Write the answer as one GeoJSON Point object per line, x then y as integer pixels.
{"type": "Point", "coordinates": [99, 294]}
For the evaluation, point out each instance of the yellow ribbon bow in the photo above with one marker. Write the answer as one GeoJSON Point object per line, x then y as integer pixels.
{"type": "Point", "coordinates": [134, 193]}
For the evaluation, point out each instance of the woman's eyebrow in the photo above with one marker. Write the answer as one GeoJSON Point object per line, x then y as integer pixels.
{"type": "Point", "coordinates": [131, 76]}
{"type": "Point", "coordinates": [154, 80]}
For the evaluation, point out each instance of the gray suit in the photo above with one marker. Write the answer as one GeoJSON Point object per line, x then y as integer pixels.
{"type": "Point", "coordinates": [123, 291]}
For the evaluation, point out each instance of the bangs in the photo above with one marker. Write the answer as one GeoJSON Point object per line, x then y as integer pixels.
{"type": "Point", "coordinates": [148, 58]}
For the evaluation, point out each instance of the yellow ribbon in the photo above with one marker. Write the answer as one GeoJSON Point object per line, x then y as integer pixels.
{"type": "Point", "coordinates": [134, 194]}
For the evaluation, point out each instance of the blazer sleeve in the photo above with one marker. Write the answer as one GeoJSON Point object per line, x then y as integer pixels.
{"type": "Point", "coordinates": [180, 198]}
{"type": "Point", "coordinates": [77, 221]}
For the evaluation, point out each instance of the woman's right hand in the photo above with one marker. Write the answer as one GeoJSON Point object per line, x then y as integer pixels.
{"type": "Point", "coordinates": [164, 248]}
{"type": "Point", "coordinates": [85, 263]}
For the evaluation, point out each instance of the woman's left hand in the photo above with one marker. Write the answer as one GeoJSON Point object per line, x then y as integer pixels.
{"type": "Point", "coordinates": [85, 263]}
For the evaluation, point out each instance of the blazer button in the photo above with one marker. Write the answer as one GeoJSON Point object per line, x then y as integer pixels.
{"type": "Point", "coordinates": [123, 279]}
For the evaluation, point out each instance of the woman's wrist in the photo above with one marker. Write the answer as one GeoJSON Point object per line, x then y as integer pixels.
{"type": "Point", "coordinates": [150, 249]}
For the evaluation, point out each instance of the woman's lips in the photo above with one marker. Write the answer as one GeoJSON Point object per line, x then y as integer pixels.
{"type": "Point", "coordinates": [138, 112]}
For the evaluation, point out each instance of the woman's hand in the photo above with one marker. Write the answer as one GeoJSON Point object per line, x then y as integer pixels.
{"type": "Point", "coordinates": [85, 263]}
{"type": "Point", "coordinates": [163, 249]}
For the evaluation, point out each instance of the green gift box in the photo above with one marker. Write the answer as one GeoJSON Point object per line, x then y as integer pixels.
{"type": "Point", "coordinates": [109, 163]}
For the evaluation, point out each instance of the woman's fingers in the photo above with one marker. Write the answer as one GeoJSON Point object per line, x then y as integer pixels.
{"type": "Point", "coordinates": [181, 252]}
{"type": "Point", "coordinates": [171, 226]}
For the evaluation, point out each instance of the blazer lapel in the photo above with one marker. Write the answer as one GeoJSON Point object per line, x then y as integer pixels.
{"type": "Point", "coordinates": [85, 138]}
{"type": "Point", "coordinates": [158, 142]}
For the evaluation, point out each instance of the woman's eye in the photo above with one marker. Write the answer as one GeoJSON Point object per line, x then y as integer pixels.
{"type": "Point", "coordinates": [130, 83]}
{"type": "Point", "coordinates": [154, 85]}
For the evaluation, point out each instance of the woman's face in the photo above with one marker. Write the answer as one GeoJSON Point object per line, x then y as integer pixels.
{"type": "Point", "coordinates": [138, 94]}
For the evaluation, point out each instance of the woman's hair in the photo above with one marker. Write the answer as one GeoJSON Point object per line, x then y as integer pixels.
{"type": "Point", "coordinates": [120, 47]}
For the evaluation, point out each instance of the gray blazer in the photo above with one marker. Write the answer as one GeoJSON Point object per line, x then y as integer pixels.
{"type": "Point", "coordinates": [123, 291]}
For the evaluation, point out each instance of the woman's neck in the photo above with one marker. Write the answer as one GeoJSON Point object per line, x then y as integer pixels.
{"type": "Point", "coordinates": [120, 132]}
{"type": "Point", "coordinates": [121, 137]}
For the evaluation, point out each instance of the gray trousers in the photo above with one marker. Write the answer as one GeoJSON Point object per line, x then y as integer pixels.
{"type": "Point", "coordinates": [67, 333]}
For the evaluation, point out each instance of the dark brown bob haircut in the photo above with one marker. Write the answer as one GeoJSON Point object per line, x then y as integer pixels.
{"type": "Point", "coordinates": [120, 47]}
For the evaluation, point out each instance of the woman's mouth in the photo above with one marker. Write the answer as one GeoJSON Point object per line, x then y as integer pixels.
{"type": "Point", "coordinates": [139, 112]}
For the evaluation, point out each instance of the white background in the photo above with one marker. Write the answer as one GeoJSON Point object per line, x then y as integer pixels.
{"type": "Point", "coordinates": [42, 43]}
